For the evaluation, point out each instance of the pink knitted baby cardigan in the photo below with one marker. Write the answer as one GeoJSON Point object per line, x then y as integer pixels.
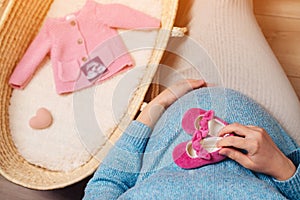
{"type": "Point", "coordinates": [80, 43]}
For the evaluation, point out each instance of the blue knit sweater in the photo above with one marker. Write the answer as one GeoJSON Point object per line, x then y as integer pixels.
{"type": "Point", "coordinates": [140, 165]}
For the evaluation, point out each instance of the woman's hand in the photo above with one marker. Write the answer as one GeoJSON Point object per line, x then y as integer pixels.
{"type": "Point", "coordinates": [262, 153]}
{"type": "Point", "coordinates": [152, 112]}
{"type": "Point", "coordinates": [172, 93]}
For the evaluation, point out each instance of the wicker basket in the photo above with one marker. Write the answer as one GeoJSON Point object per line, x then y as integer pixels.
{"type": "Point", "coordinates": [20, 23]}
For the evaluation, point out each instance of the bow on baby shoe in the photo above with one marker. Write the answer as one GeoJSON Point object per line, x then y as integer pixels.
{"type": "Point", "coordinates": [201, 133]}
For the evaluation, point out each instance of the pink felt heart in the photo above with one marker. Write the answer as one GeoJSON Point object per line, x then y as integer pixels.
{"type": "Point", "coordinates": [42, 119]}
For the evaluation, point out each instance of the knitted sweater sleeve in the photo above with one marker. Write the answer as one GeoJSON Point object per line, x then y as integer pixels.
{"type": "Point", "coordinates": [291, 187]}
{"type": "Point", "coordinates": [121, 16]}
{"type": "Point", "coordinates": [121, 167]}
{"type": "Point", "coordinates": [33, 56]}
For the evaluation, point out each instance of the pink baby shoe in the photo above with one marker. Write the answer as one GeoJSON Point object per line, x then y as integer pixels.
{"type": "Point", "coordinates": [201, 149]}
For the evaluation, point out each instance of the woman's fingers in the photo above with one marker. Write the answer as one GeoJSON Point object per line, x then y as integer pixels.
{"type": "Point", "coordinates": [233, 141]}
{"type": "Point", "coordinates": [171, 94]}
{"type": "Point", "coordinates": [197, 83]}
{"type": "Point", "coordinates": [184, 86]}
{"type": "Point", "coordinates": [193, 83]}
{"type": "Point", "coordinates": [262, 154]}
{"type": "Point", "coordinates": [237, 156]}
{"type": "Point", "coordinates": [155, 108]}
{"type": "Point", "coordinates": [246, 137]}
{"type": "Point", "coordinates": [236, 128]}
{"type": "Point", "coordinates": [239, 130]}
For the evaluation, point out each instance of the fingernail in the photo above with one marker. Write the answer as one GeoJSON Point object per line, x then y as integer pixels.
{"type": "Point", "coordinates": [228, 134]}
{"type": "Point", "coordinates": [222, 153]}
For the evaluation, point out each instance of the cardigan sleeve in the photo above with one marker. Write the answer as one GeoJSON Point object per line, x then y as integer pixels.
{"type": "Point", "coordinates": [33, 56]}
{"type": "Point", "coordinates": [121, 167]}
{"type": "Point", "coordinates": [291, 187]}
{"type": "Point", "coordinates": [121, 16]}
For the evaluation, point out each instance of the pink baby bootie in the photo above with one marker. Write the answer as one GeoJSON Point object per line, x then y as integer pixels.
{"type": "Point", "coordinates": [201, 149]}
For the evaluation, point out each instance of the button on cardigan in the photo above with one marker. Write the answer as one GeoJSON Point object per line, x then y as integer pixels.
{"type": "Point", "coordinates": [85, 38]}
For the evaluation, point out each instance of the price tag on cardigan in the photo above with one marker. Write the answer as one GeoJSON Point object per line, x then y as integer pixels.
{"type": "Point", "coordinates": [93, 69]}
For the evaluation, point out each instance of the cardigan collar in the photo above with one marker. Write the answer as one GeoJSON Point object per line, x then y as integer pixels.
{"type": "Point", "coordinates": [74, 15]}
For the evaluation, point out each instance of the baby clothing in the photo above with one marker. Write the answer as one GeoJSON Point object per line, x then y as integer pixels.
{"type": "Point", "coordinates": [85, 47]}
{"type": "Point", "coordinates": [201, 148]}
{"type": "Point", "coordinates": [140, 165]}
